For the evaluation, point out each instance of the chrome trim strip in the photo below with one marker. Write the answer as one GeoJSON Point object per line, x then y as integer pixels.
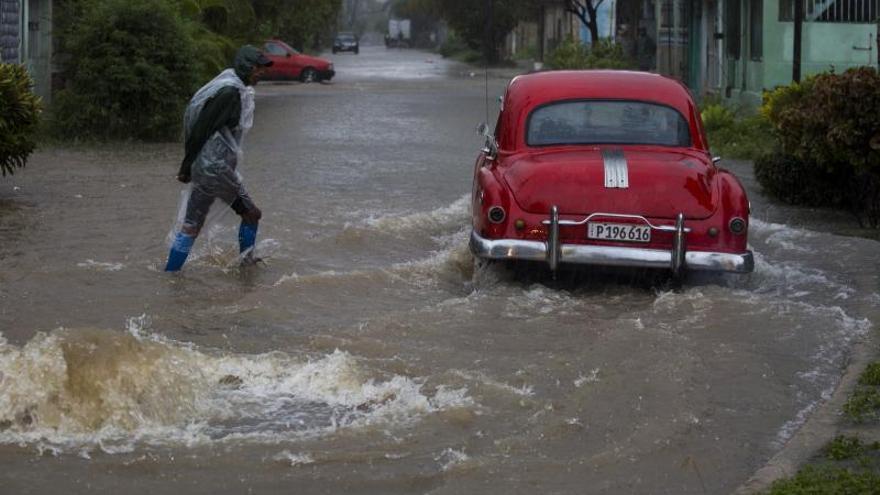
{"type": "Point", "coordinates": [513, 249]}
{"type": "Point", "coordinates": [570, 223]}
{"type": "Point", "coordinates": [616, 171]}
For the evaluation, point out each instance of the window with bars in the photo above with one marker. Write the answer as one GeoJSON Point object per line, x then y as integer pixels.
{"type": "Point", "coordinates": [733, 29]}
{"type": "Point", "coordinates": [756, 29]}
{"type": "Point", "coordinates": [841, 11]}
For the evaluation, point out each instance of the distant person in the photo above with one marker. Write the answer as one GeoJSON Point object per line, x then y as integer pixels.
{"type": "Point", "coordinates": [647, 51]}
{"type": "Point", "coordinates": [215, 123]}
{"type": "Point", "coordinates": [626, 40]}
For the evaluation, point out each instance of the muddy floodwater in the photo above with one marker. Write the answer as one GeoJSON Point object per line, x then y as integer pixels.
{"type": "Point", "coordinates": [366, 354]}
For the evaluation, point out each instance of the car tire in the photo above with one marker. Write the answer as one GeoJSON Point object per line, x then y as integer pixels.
{"type": "Point", "coordinates": [308, 75]}
{"type": "Point", "coordinates": [357, 51]}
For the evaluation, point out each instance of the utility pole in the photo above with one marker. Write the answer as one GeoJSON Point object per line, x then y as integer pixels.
{"type": "Point", "coordinates": [798, 27]}
{"type": "Point", "coordinates": [541, 21]}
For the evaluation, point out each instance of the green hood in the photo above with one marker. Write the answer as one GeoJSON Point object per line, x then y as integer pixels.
{"type": "Point", "coordinates": [246, 60]}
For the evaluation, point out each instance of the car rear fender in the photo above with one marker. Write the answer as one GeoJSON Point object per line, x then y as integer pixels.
{"type": "Point", "coordinates": [488, 193]}
{"type": "Point", "coordinates": [733, 203]}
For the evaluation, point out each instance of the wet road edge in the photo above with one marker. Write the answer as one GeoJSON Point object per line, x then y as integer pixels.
{"type": "Point", "coordinates": [826, 422]}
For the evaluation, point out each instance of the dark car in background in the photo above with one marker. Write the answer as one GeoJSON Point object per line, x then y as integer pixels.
{"type": "Point", "coordinates": [346, 42]}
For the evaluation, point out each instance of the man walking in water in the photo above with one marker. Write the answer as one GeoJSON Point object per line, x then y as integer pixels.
{"type": "Point", "coordinates": [215, 123]}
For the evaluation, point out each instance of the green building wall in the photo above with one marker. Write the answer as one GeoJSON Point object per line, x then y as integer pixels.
{"type": "Point", "coordinates": [825, 46]}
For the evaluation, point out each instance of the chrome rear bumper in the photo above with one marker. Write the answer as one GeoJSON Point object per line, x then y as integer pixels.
{"type": "Point", "coordinates": [513, 249]}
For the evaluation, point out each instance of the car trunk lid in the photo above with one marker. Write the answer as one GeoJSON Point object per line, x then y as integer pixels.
{"type": "Point", "coordinates": [658, 183]}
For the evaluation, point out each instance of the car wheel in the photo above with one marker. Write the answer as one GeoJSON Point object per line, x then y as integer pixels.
{"type": "Point", "coordinates": [309, 75]}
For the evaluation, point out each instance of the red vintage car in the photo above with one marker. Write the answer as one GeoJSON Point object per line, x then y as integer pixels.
{"type": "Point", "coordinates": [289, 64]}
{"type": "Point", "coordinates": [606, 168]}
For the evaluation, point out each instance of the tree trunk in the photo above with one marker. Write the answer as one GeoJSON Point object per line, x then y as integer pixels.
{"type": "Point", "coordinates": [586, 11]}
{"type": "Point", "coordinates": [593, 24]}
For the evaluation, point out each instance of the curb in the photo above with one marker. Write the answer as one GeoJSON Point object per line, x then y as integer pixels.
{"type": "Point", "coordinates": [821, 427]}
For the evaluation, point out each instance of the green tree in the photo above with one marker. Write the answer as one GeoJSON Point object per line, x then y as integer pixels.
{"type": "Point", "coordinates": [298, 22]}
{"type": "Point", "coordinates": [130, 72]}
{"type": "Point", "coordinates": [484, 24]}
{"type": "Point", "coordinates": [19, 117]}
{"type": "Point", "coordinates": [424, 15]}
{"type": "Point", "coordinates": [232, 18]}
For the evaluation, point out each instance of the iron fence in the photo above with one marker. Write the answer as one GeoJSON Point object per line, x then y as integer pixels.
{"type": "Point", "coordinates": [840, 11]}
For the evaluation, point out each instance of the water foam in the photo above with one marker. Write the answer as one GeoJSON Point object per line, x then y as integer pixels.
{"type": "Point", "coordinates": [79, 390]}
{"type": "Point", "coordinates": [292, 459]}
{"type": "Point", "coordinates": [436, 220]}
{"type": "Point", "coordinates": [524, 390]}
{"type": "Point", "coordinates": [101, 266]}
{"type": "Point", "coordinates": [785, 285]}
{"type": "Point", "coordinates": [451, 458]}
{"type": "Point", "coordinates": [453, 263]}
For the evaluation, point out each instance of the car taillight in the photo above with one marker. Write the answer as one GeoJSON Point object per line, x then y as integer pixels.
{"type": "Point", "coordinates": [496, 214]}
{"type": "Point", "coordinates": [737, 225]}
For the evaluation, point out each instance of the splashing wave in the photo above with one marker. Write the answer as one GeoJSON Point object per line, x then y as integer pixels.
{"type": "Point", "coordinates": [84, 389]}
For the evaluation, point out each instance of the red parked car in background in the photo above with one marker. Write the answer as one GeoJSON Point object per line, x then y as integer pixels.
{"type": "Point", "coordinates": [290, 64]}
{"type": "Point", "coordinates": [606, 168]}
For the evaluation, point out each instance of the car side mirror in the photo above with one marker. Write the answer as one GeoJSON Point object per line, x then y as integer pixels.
{"type": "Point", "coordinates": [715, 160]}
{"type": "Point", "coordinates": [288, 55]}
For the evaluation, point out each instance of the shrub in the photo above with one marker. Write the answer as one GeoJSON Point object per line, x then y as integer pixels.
{"type": "Point", "coordinates": [574, 55]}
{"type": "Point", "coordinates": [717, 117]}
{"type": "Point", "coordinates": [19, 117]}
{"type": "Point", "coordinates": [213, 52]}
{"type": "Point", "coordinates": [452, 46]}
{"type": "Point", "coordinates": [131, 73]}
{"type": "Point", "coordinates": [827, 479]}
{"type": "Point", "coordinates": [733, 136]}
{"type": "Point", "coordinates": [829, 127]}
{"type": "Point", "coordinates": [830, 119]}
{"type": "Point", "coordinates": [871, 376]}
{"type": "Point", "coordinates": [529, 52]}
{"type": "Point", "coordinates": [842, 448]}
{"type": "Point", "coordinates": [794, 181]}
{"type": "Point", "coordinates": [863, 405]}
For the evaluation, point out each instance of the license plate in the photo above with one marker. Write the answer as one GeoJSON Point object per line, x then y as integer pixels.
{"type": "Point", "coordinates": [618, 232]}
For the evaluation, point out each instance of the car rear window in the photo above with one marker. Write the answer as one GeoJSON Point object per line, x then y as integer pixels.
{"type": "Point", "coordinates": [607, 122]}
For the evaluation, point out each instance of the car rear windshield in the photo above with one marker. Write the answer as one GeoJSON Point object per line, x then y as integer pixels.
{"type": "Point", "coordinates": [607, 122]}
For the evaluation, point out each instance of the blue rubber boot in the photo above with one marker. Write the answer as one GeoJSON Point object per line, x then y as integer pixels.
{"type": "Point", "coordinates": [247, 238]}
{"type": "Point", "coordinates": [179, 251]}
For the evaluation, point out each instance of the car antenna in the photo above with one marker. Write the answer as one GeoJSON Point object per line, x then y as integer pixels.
{"type": "Point", "coordinates": [489, 40]}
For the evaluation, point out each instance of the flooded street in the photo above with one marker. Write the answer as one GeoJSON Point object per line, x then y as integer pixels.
{"type": "Point", "coordinates": [367, 355]}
